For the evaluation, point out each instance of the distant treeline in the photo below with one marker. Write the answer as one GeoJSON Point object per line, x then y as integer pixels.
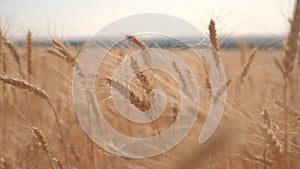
{"type": "Point", "coordinates": [226, 43]}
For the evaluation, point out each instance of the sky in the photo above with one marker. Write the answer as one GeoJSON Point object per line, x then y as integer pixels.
{"type": "Point", "coordinates": [82, 18]}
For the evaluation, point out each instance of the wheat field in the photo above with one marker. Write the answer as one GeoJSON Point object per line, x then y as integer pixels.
{"type": "Point", "coordinates": [259, 128]}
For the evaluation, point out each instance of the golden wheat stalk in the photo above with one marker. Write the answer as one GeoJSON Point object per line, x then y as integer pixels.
{"type": "Point", "coordinates": [141, 76]}
{"type": "Point", "coordinates": [14, 52]}
{"type": "Point", "coordinates": [41, 139]}
{"type": "Point", "coordinates": [55, 53]}
{"type": "Point", "coordinates": [65, 53]}
{"type": "Point", "coordinates": [4, 63]}
{"type": "Point", "coordinates": [61, 48]}
{"type": "Point", "coordinates": [174, 110]}
{"type": "Point", "coordinates": [29, 54]}
{"type": "Point", "coordinates": [146, 82]}
{"type": "Point", "coordinates": [43, 143]}
{"type": "Point", "coordinates": [208, 83]}
{"type": "Point", "coordinates": [137, 42]}
{"type": "Point", "coordinates": [270, 137]}
{"type": "Point", "coordinates": [22, 84]}
{"type": "Point", "coordinates": [290, 50]}
{"type": "Point", "coordinates": [137, 101]}
{"type": "Point", "coordinates": [290, 46]}
{"type": "Point", "coordinates": [246, 68]}
{"type": "Point", "coordinates": [213, 35]}
{"type": "Point", "coordinates": [216, 48]}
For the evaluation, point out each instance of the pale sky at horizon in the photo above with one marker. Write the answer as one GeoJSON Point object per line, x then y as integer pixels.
{"type": "Point", "coordinates": [78, 18]}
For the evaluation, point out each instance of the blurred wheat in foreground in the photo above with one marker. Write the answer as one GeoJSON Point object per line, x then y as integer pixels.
{"type": "Point", "coordinates": [259, 129]}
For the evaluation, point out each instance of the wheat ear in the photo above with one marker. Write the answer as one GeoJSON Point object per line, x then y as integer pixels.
{"type": "Point", "coordinates": [22, 84]}
{"type": "Point", "coordinates": [63, 52]}
{"type": "Point", "coordinates": [137, 42]}
{"type": "Point", "coordinates": [141, 76]}
{"type": "Point", "coordinates": [247, 66]}
{"type": "Point", "coordinates": [290, 46]}
{"type": "Point", "coordinates": [214, 44]}
{"type": "Point", "coordinates": [270, 137]}
{"type": "Point", "coordinates": [43, 143]}
{"type": "Point", "coordinates": [137, 101]}
{"type": "Point", "coordinates": [41, 139]}
{"type": "Point", "coordinates": [290, 50]}
{"type": "Point", "coordinates": [25, 86]}
{"type": "Point", "coordinates": [213, 35]}
{"type": "Point", "coordinates": [14, 52]}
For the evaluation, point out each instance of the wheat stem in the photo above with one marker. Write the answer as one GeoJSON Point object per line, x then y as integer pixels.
{"type": "Point", "coordinates": [21, 84]}
{"type": "Point", "coordinates": [290, 50]}
{"type": "Point", "coordinates": [29, 55]}
{"type": "Point", "coordinates": [14, 52]}
{"type": "Point", "coordinates": [247, 66]}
